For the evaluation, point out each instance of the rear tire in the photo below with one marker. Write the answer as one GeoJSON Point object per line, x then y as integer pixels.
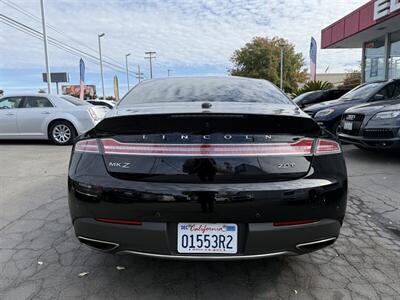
{"type": "Point", "coordinates": [62, 133]}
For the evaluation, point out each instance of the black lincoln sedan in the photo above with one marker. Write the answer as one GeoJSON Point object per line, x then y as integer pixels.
{"type": "Point", "coordinates": [329, 114]}
{"type": "Point", "coordinates": [373, 126]}
{"type": "Point", "coordinates": [207, 168]}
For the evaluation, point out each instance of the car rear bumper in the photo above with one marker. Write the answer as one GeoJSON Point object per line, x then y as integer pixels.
{"type": "Point", "coordinates": [98, 201]}
{"type": "Point", "coordinates": [159, 239]}
{"type": "Point", "coordinates": [369, 143]}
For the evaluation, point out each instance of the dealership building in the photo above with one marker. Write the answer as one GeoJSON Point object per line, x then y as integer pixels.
{"type": "Point", "coordinates": [375, 28]}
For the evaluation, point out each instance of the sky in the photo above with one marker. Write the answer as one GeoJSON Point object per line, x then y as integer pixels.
{"type": "Point", "coordinates": [190, 37]}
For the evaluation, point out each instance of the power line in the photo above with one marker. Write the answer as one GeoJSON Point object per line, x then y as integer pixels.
{"type": "Point", "coordinates": [29, 30]}
{"type": "Point", "coordinates": [39, 37]}
{"type": "Point", "coordinates": [37, 19]}
{"type": "Point", "coordinates": [53, 39]}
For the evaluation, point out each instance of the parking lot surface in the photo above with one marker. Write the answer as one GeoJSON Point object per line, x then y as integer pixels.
{"type": "Point", "coordinates": [41, 259]}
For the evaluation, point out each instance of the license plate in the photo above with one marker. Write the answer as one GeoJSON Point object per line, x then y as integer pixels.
{"type": "Point", "coordinates": [207, 238]}
{"type": "Point", "coordinates": [348, 126]}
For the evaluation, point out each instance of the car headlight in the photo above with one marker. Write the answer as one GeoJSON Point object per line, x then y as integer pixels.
{"type": "Point", "coordinates": [324, 113]}
{"type": "Point", "coordinates": [390, 114]}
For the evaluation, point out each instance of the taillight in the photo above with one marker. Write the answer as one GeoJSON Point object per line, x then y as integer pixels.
{"type": "Point", "coordinates": [90, 146]}
{"type": "Point", "coordinates": [300, 147]}
{"type": "Point", "coordinates": [325, 147]}
{"type": "Point", "coordinates": [304, 147]}
{"type": "Point", "coordinates": [93, 114]}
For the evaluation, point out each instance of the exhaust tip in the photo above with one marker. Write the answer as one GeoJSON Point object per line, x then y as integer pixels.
{"type": "Point", "coordinates": [98, 244]}
{"type": "Point", "coordinates": [316, 245]}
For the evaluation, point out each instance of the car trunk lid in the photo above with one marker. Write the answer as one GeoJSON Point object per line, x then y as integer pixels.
{"type": "Point", "coordinates": [208, 147]}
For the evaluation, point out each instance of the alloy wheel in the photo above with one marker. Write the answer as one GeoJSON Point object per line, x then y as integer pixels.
{"type": "Point", "coordinates": [62, 133]}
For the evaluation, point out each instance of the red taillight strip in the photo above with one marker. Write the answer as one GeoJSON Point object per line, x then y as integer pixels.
{"type": "Point", "coordinates": [122, 222]}
{"type": "Point", "coordinates": [327, 147]}
{"type": "Point", "coordinates": [301, 147]}
{"type": "Point", "coordinates": [292, 223]}
{"type": "Point", "coordinates": [87, 146]}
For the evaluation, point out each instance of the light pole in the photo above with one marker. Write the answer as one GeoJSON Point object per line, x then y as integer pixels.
{"type": "Point", "coordinates": [282, 69]}
{"type": "Point", "coordinates": [150, 57]}
{"type": "Point", "coordinates": [169, 71]}
{"type": "Point", "coordinates": [127, 69]}
{"type": "Point", "coordinates": [99, 36]}
{"type": "Point", "coordinates": [45, 47]}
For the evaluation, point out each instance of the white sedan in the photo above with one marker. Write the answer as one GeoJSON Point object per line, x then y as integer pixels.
{"type": "Point", "coordinates": [44, 116]}
{"type": "Point", "coordinates": [107, 103]}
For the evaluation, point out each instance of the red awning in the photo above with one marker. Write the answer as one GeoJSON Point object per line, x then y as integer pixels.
{"type": "Point", "coordinates": [370, 21]}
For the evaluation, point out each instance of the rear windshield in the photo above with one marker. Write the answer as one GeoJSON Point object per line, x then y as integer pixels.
{"type": "Point", "coordinates": [210, 89]}
{"type": "Point", "coordinates": [75, 101]}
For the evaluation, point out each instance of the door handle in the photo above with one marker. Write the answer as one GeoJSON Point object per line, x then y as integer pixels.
{"type": "Point", "coordinates": [10, 114]}
{"type": "Point", "coordinates": [45, 113]}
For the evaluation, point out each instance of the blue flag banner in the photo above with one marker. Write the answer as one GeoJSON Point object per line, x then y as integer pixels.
{"type": "Point", "coordinates": [82, 70]}
{"type": "Point", "coordinates": [313, 59]}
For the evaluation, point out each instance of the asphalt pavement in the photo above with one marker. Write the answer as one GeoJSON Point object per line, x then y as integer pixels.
{"type": "Point", "coordinates": [41, 259]}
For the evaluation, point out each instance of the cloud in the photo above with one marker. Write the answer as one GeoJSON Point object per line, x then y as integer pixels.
{"type": "Point", "coordinates": [186, 34]}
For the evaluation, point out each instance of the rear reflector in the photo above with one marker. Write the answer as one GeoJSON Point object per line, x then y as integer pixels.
{"type": "Point", "coordinates": [301, 147]}
{"type": "Point", "coordinates": [87, 146]}
{"type": "Point", "coordinates": [292, 223]}
{"type": "Point", "coordinates": [327, 147]}
{"type": "Point", "coordinates": [123, 222]}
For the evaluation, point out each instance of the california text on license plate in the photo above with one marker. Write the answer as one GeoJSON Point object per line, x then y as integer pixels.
{"type": "Point", "coordinates": [207, 238]}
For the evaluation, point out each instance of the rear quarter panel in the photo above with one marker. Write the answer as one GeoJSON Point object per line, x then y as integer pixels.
{"type": "Point", "coordinates": [79, 118]}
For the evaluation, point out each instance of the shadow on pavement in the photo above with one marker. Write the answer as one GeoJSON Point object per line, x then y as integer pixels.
{"type": "Point", "coordinates": [26, 142]}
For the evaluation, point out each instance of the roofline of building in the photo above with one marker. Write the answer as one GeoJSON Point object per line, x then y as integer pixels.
{"type": "Point", "coordinates": [360, 28]}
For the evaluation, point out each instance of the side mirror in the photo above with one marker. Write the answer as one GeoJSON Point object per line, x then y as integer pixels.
{"type": "Point", "coordinates": [378, 97]}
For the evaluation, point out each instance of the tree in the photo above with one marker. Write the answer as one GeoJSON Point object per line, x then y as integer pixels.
{"type": "Point", "coordinates": [261, 59]}
{"type": "Point", "coordinates": [351, 80]}
{"type": "Point", "coordinates": [313, 86]}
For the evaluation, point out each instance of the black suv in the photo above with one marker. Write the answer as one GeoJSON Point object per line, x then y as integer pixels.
{"type": "Point", "coordinates": [329, 114]}
{"type": "Point", "coordinates": [315, 97]}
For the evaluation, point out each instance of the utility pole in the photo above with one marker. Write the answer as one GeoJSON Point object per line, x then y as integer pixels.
{"type": "Point", "coordinates": [45, 47]}
{"type": "Point", "coordinates": [150, 57]}
{"type": "Point", "coordinates": [169, 71]}
{"type": "Point", "coordinates": [99, 36]}
{"type": "Point", "coordinates": [127, 69]}
{"type": "Point", "coordinates": [282, 68]}
{"type": "Point", "coordinates": [139, 75]}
